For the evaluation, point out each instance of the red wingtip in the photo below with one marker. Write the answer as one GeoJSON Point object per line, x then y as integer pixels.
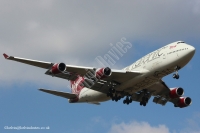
{"type": "Point", "coordinates": [5, 56]}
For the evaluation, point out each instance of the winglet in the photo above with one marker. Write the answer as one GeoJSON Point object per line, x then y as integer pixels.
{"type": "Point", "coordinates": [5, 56]}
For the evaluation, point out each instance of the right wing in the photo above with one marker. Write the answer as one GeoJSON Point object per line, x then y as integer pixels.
{"type": "Point", "coordinates": [36, 63]}
{"type": "Point", "coordinates": [59, 93]}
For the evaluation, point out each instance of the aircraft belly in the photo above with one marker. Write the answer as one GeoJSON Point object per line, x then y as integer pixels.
{"type": "Point", "coordinates": [88, 95]}
{"type": "Point", "coordinates": [96, 96]}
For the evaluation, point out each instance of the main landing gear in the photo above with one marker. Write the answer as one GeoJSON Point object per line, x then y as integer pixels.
{"type": "Point", "coordinates": [176, 75]}
{"type": "Point", "coordinates": [127, 100]}
{"type": "Point", "coordinates": [115, 96]}
{"type": "Point", "coordinates": [145, 99]}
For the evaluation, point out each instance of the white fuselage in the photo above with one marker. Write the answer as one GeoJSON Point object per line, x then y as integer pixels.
{"type": "Point", "coordinates": [154, 66]}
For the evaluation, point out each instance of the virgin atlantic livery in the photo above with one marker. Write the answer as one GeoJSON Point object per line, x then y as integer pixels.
{"type": "Point", "coordinates": [137, 82]}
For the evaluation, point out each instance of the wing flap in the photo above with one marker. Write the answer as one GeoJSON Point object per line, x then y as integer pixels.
{"type": "Point", "coordinates": [117, 77]}
{"type": "Point", "coordinates": [81, 70]}
{"type": "Point", "coordinates": [121, 76]}
{"type": "Point", "coordinates": [159, 89]}
{"type": "Point", "coordinates": [59, 93]}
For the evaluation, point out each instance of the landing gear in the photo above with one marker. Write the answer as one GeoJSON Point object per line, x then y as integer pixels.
{"type": "Point", "coordinates": [143, 103]}
{"type": "Point", "coordinates": [110, 93]}
{"type": "Point", "coordinates": [127, 100]}
{"type": "Point", "coordinates": [145, 98]}
{"type": "Point", "coordinates": [114, 95]}
{"type": "Point", "coordinates": [176, 76]}
{"type": "Point", "coordinates": [112, 90]}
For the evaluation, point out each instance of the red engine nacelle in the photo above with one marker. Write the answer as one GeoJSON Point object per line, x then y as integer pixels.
{"type": "Point", "coordinates": [183, 102]}
{"type": "Point", "coordinates": [103, 72]}
{"type": "Point", "coordinates": [58, 68]}
{"type": "Point", "coordinates": [176, 92]}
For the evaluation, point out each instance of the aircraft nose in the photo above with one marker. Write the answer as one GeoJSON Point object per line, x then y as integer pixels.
{"type": "Point", "coordinates": [191, 49]}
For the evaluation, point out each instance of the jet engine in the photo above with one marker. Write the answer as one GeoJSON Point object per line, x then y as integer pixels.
{"type": "Point", "coordinates": [58, 68]}
{"type": "Point", "coordinates": [176, 92]}
{"type": "Point", "coordinates": [103, 72]}
{"type": "Point", "coordinates": [183, 102]}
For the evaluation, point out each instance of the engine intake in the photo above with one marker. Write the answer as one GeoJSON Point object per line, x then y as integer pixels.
{"type": "Point", "coordinates": [103, 72]}
{"type": "Point", "coordinates": [176, 92]}
{"type": "Point", "coordinates": [184, 102]}
{"type": "Point", "coordinates": [58, 68]}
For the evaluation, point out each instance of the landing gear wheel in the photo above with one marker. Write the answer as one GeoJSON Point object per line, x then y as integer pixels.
{"type": "Point", "coordinates": [116, 99]}
{"type": "Point", "coordinates": [176, 76]}
{"type": "Point", "coordinates": [142, 103]}
{"type": "Point", "coordinates": [124, 101]}
{"type": "Point", "coordinates": [130, 100]}
{"type": "Point", "coordinates": [127, 100]}
{"type": "Point", "coordinates": [119, 98]}
{"type": "Point", "coordinates": [113, 98]}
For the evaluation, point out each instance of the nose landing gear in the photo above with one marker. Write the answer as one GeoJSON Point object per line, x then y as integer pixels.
{"type": "Point", "coordinates": [176, 75]}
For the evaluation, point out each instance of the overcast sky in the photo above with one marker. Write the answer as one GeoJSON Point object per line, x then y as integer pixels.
{"type": "Point", "coordinates": [76, 32]}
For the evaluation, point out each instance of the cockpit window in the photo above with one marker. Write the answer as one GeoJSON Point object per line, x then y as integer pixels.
{"type": "Point", "coordinates": [180, 42]}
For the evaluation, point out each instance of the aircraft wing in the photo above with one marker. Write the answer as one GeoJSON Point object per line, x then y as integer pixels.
{"type": "Point", "coordinates": [71, 72]}
{"type": "Point", "coordinates": [36, 63]}
{"type": "Point", "coordinates": [161, 93]}
{"type": "Point", "coordinates": [159, 89]}
{"type": "Point", "coordinates": [59, 93]}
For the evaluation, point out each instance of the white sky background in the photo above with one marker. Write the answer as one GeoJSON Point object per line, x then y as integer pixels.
{"type": "Point", "coordinates": [138, 127]}
{"type": "Point", "coordinates": [191, 126]}
{"type": "Point", "coordinates": [75, 32]}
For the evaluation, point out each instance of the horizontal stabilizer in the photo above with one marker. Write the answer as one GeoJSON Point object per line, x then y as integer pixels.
{"type": "Point", "coordinates": [59, 93]}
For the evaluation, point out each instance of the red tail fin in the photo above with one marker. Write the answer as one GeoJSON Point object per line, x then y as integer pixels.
{"type": "Point", "coordinates": [77, 85]}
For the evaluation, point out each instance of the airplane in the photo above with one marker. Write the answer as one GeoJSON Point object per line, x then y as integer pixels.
{"type": "Point", "coordinates": [136, 82]}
